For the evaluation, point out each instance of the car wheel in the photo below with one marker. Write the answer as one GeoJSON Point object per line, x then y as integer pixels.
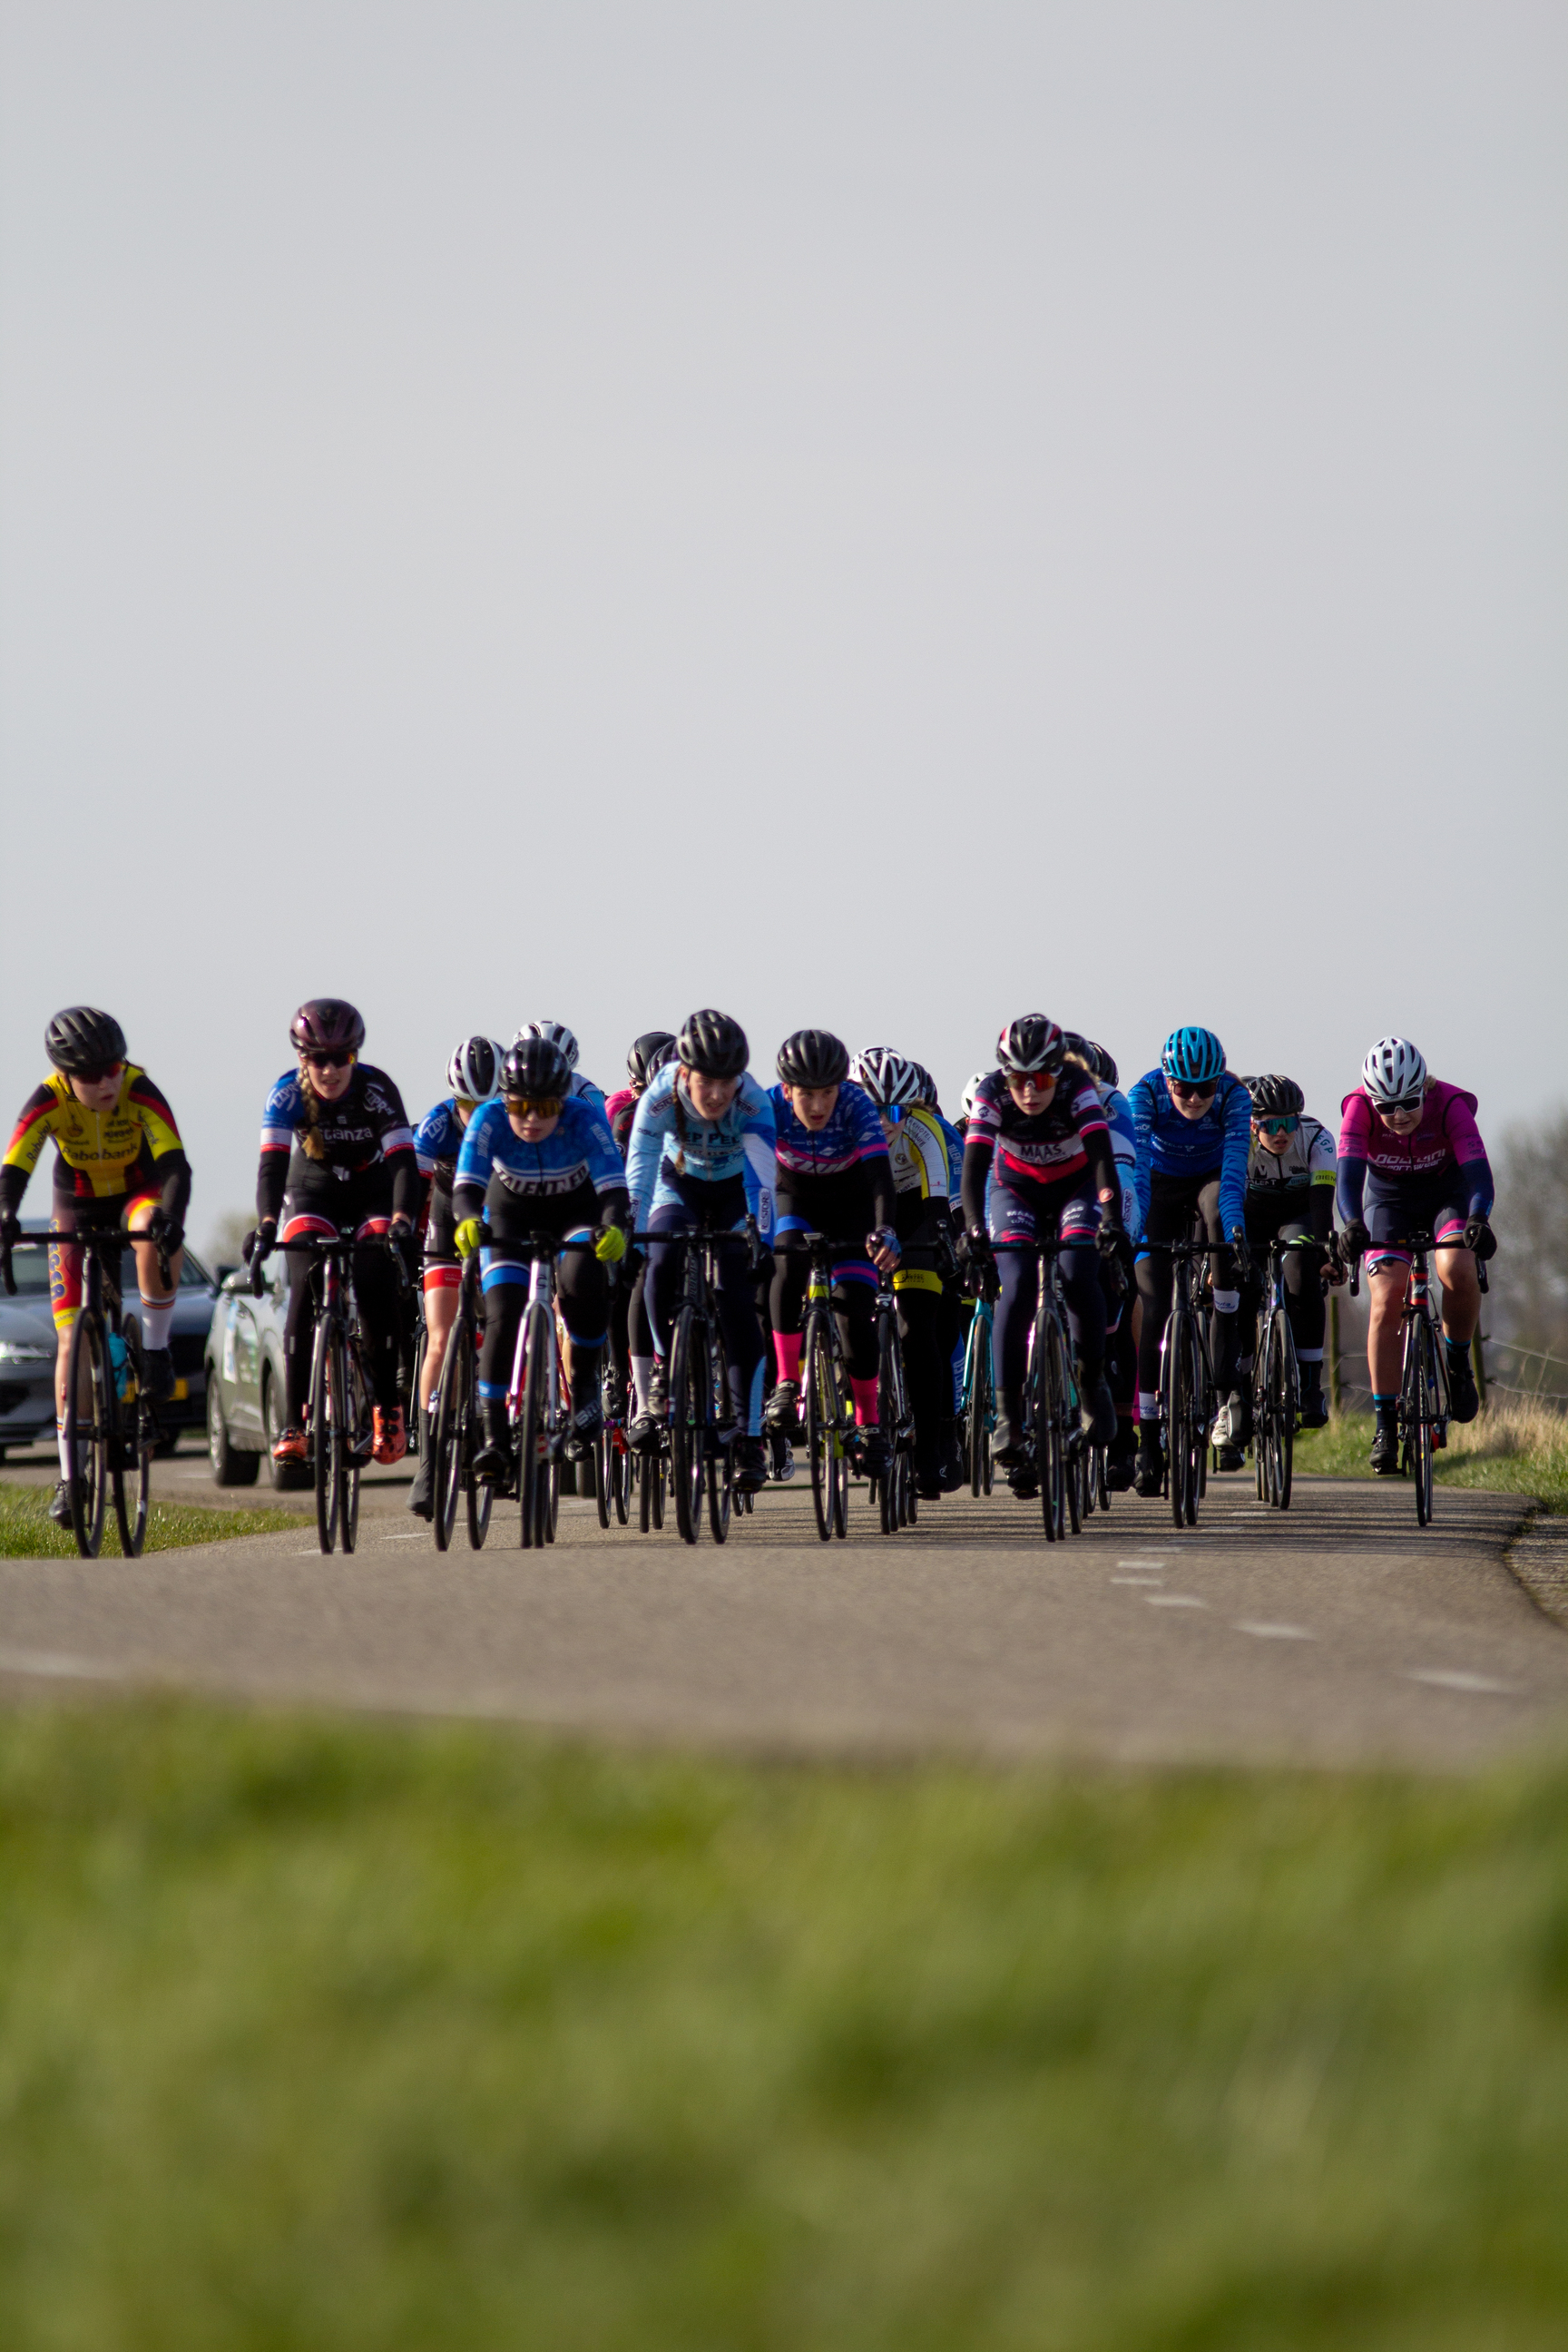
{"type": "Point", "coordinates": [287, 1477]}
{"type": "Point", "coordinates": [230, 1467]}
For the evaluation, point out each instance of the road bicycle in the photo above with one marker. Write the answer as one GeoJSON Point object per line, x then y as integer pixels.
{"type": "Point", "coordinates": [1053, 1408]}
{"type": "Point", "coordinates": [1424, 1404]}
{"type": "Point", "coordinates": [827, 1396]}
{"type": "Point", "coordinates": [338, 1413]}
{"type": "Point", "coordinates": [456, 1422]}
{"type": "Point", "coordinates": [977, 1397]}
{"type": "Point", "coordinates": [892, 1489]}
{"type": "Point", "coordinates": [702, 1428]}
{"type": "Point", "coordinates": [1275, 1379]}
{"type": "Point", "coordinates": [111, 1428]}
{"type": "Point", "coordinates": [613, 1474]}
{"type": "Point", "coordinates": [536, 1399]}
{"type": "Point", "coordinates": [1187, 1383]}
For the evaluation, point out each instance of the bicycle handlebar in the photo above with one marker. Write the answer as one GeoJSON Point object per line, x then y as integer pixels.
{"type": "Point", "coordinates": [116, 1241]}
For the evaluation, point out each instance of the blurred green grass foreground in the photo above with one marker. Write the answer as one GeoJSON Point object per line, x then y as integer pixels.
{"type": "Point", "coordinates": [366, 2035]}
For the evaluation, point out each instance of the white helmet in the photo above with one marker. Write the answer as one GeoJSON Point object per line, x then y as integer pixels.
{"type": "Point", "coordinates": [555, 1033]}
{"type": "Point", "coordinates": [971, 1090]}
{"type": "Point", "coordinates": [474, 1068]}
{"type": "Point", "coordinates": [888, 1077]}
{"type": "Point", "coordinates": [1394, 1074]}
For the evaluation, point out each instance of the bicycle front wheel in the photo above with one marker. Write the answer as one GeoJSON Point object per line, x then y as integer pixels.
{"type": "Point", "coordinates": [890, 1401]}
{"type": "Point", "coordinates": [688, 1395]}
{"type": "Point", "coordinates": [820, 1420]}
{"type": "Point", "coordinates": [350, 1436]}
{"type": "Point", "coordinates": [449, 1424]}
{"type": "Point", "coordinates": [89, 1427]}
{"type": "Point", "coordinates": [979, 1409]}
{"type": "Point", "coordinates": [1420, 1405]}
{"type": "Point", "coordinates": [532, 1496]}
{"type": "Point", "coordinates": [1182, 1407]}
{"type": "Point", "coordinates": [1283, 1394]}
{"type": "Point", "coordinates": [322, 1410]}
{"type": "Point", "coordinates": [1049, 1458]}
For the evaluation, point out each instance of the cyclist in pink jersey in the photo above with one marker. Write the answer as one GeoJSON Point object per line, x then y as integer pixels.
{"type": "Point", "coordinates": [1412, 1161]}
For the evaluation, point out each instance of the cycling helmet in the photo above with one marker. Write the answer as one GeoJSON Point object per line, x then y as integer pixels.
{"type": "Point", "coordinates": [326, 1023]}
{"type": "Point", "coordinates": [1275, 1098]}
{"type": "Point", "coordinates": [813, 1058]}
{"type": "Point", "coordinates": [558, 1033]}
{"type": "Point", "coordinates": [535, 1069]}
{"type": "Point", "coordinates": [971, 1091]}
{"type": "Point", "coordinates": [1102, 1064]}
{"type": "Point", "coordinates": [1394, 1074]}
{"type": "Point", "coordinates": [649, 1053]}
{"type": "Point", "coordinates": [888, 1077]}
{"type": "Point", "coordinates": [928, 1094]}
{"type": "Point", "coordinates": [1032, 1047]}
{"type": "Point", "coordinates": [713, 1045]}
{"type": "Point", "coordinates": [1193, 1055]}
{"type": "Point", "coordinates": [81, 1038]}
{"type": "Point", "coordinates": [474, 1067]}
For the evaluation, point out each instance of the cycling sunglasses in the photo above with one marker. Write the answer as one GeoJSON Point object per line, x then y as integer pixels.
{"type": "Point", "coordinates": [99, 1072]}
{"type": "Point", "coordinates": [329, 1061]}
{"type": "Point", "coordinates": [1205, 1093]}
{"type": "Point", "coordinates": [1415, 1102]}
{"type": "Point", "coordinates": [1285, 1125]}
{"type": "Point", "coordinates": [534, 1106]}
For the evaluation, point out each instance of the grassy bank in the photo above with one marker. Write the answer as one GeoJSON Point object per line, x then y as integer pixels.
{"type": "Point", "coordinates": [1512, 1448]}
{"type": "Point", "coordinates": [25, 1533]}
{"type": "Point", "coordinates": [367, 2037]}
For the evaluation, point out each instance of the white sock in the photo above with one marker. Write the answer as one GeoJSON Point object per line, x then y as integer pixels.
{"type": "Point", "coordinates": [642, 1373]}
{"type": "Point", "coordinates": [60, 1442]}
{"type": "Point", "coordinates": [1148, 1405]}
{"type": "Point", "coordinates": [157, 1314]}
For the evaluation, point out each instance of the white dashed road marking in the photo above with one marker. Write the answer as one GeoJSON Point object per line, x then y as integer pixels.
{"type": "Point", "coordinates": [1456, 1679]}
{"type": "Point", "coordinates": [1275, 1633]}
{"type": "Point", "coordinates": [1135, 1580]}
{"type": "Point", "coordinates": [1174, 1601]}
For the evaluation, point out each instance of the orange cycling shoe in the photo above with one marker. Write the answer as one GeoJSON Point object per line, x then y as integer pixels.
{"type": "Point", "coordinates": [291, 1446]}
{"type": "Point", "coordinates": [390, 1439]}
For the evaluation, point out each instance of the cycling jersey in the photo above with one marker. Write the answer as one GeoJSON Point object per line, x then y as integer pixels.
{"type": "Point", "coordinates": [1308, 1160]}
{"type": "Point", "coordinates": [917, 1150]}
{"type": "Point", "coordinates": [579, 1157]}
{"type": "Point", "coordinates": [366, 1129]}
{"type": "Point", "coordinates": [1192, 1147]}
{"type": "Point", "coordinates": [1064, 1139]}
{"type": "Point", "coordinates": [852, 1136]}
{"type": "Point", "coordinates": [1376, 1162]}
{"type": "Point", "coordinates": [672, 1149]}
{"type": "Point", "coordinates": [1123, 1148]}
{"type": "Point", "coordinates": [437, 1139]}
{"type": "Point", "coordinates": [131, 1151]}
{"type": "Point", "coordinates": [620, 1109]}
{"type": "Point", "coordinates": [582, 1089]}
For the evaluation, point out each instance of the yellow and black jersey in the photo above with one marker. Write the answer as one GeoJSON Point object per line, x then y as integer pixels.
{"type": "Point", "coordinates": [132, 1149]}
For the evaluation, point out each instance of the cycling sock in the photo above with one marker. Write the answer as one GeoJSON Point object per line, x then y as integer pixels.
{"type": "Point", "coordinates": [642, 1373]}
{"type": "Point", "coordinates": [865, 1402]}
{"type": "Point", "coordinates": [157, 1314]}
{"type": "Point", "coordinates": [1148, 1405]}
{"type": "Point", "coordinates": [1309, 1355]}
{"type": "Point", "coordinates": [1244, 1363]}
{"type": "Point", "coordinates": [786, 1355]}
{"type": "Point", "coordinates": [1458, 1349]}
{"type": "Point", "coordinates": [1386, 1409]}
{"type": "Point", "coordinates": [60, 1442]}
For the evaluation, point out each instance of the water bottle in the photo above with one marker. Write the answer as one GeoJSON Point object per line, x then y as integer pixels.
{"type": "Point", "coordinates": [120, 1361]}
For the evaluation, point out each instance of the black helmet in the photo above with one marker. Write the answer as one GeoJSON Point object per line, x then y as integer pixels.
{"type": "Point", "coordinates": [650, 1053]}
{"type": "Point", "coordinates": [1104, 1063]}
{"type": "Point", "coordinates": [326, 1021]}
{"type": "Point", "coordinates": [1032, 1047]}
{"type": "Point", "coordinates": [927, 1094]}
{"type": "Point", "coordinates": [81, 1038]}
{"type": "Point", "coordinates": [813, 1057]}
{"type": "Point", "coordinates": [713, 1044]}
{"type": "Point", "coordinates": [536, 1069]}
{"type": "Point", "coordinates": [1275, 1098]}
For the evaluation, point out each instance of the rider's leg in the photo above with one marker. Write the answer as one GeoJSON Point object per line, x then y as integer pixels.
{"type": "Point", "coordinates": [583, 1293]}
{"type": "Point", "coordinates": [1012, 1218]}
{"type": "Point", "coordinates": [505, 1280]}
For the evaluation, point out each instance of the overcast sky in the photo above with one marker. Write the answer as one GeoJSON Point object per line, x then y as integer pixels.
{"type": "Point", "coordinates": [888, 517]}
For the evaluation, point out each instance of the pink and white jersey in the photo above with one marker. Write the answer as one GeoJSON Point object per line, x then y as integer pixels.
{"type": "Point", "coordinates": [1447, 1136]}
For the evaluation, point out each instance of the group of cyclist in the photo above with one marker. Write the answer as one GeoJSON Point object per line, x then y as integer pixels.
{"type": "Point", "coordinates": [854, 1147]}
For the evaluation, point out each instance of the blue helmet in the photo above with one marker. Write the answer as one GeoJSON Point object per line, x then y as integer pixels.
{"type": "Point", "coordinates": [1193, 1055]}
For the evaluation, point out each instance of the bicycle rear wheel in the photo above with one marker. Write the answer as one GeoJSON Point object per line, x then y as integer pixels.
{"type": "Point", "coordinates": [1181, 1414]}
{"type": "Point", "coordinates": [448, 1422]}
{"type": "Point", "coordinates": [88, 1429]}
{"type": "Point", "coordinates": [134, 1453]}
{"type": "Point", "coordinates": [889, 1397]}
{"type": "Point", "coordinates": [532, 1498]}
{"type": "Point", "coordinates": [353, 1436]}
{"type": "Point", "coordinates": [979, 1409]}
{"type": "Point", "coordinates": [689, 1399]}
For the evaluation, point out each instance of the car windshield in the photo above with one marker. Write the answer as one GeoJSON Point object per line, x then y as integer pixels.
{"type": "Point", "coordinates": [30, 1264]}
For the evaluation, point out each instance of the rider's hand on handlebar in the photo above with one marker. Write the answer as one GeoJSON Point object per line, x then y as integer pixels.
{"type": "Point", "coordinates": [10, 1229]}
{"type": "Point", "coordinates": [162, 1229]}
{"type": "Point", "coordinates": [1479, 1238]}
{"type": "Point", "coordinates": [1112, 1239]}
{"type": "Point", "coordinates": [467, 1237]}
{"type": "Point", "coordinates": [882, 1247]}
{"type": "Point", "coordinates": [1356, 1240]}
{"type": "Point", "coordinates": [609, 1243]}
{"type": "Point", "coordinates": [264, 1240]}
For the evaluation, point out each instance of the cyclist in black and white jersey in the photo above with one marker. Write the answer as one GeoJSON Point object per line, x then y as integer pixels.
{"type": "Point", "coordinates": [1290, 1171]}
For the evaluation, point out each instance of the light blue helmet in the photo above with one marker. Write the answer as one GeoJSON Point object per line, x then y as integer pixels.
{"type": "Point", "coordinates": [1193, 1056]}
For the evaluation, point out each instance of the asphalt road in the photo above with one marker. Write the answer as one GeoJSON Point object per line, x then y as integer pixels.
{"type": "Point", "coordinates": [1338, 1633]}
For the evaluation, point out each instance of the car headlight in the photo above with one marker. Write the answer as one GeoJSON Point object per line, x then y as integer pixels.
{"type": "Point", "coordinates": [23, 1351]}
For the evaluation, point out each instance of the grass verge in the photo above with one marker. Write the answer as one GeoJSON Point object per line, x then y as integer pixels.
{"type": "Point", "coordinates": [25, 1533]}
{"type": "Point", "coordinates": [1511, 1448]}
{"type": "Point", "coordinates": [373, 2037]}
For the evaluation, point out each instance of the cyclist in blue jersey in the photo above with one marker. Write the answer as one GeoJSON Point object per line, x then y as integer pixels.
{"type": "Point", "coordinates": [702, 1153]}
{"type": "Point", "coordinates": [472, 1075]}
{"type": "Point", "coordinates": [833, 1178]}
{"type": "Point", "coordinates": [1194, 1123]}
{"type": "Point", "coordinates": [556, 1033]}
{"type": "Point", "coordinates": [539, 1161]}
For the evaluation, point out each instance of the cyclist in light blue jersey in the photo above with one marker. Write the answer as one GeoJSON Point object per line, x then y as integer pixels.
{"type": "Point", "coordinates": [702, 1153]}
{"type": "Point", "coordinates": [1194, 1123]}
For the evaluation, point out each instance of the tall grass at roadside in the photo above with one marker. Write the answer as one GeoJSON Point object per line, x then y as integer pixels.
{"type": "Point", "coordinates": [1514, 1447]}
{"type": "Point", "coordinates": [26, 1533]}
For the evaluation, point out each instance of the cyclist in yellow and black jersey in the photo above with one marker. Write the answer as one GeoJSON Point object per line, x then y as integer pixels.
{"type": "Point", "coordinates": [917, 1146]}
{"type": "Point", "coordinates": [119, 1162]}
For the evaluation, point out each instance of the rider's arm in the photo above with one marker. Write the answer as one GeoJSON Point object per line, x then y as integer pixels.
{"type": "Point", "coordinates": [471, 1175]}
{"type": "Point", "coordinates": [1320, 1169]}
{"type": "Point", "coordinates": [397, 1139]}
{"type": "Point", "coordinates": [1233, 1166]}
{"type": "Point", "coordinates": [978, 1152]}
{"type": "Point", "coordinates": [758, 1135]}
{"type": "Point", "coordinates": [1349, 1181]}
{"type": "Point", "coordinates": [1141, 1104]}
{"type": "Point", "coordinates": [285, 1108]}
{"type": "Point", "coordinates": [27, 1139]}
{"type": "Point", "coordinates": [1102, 1167]}
{"type": "Point", "coordinates": [604, 1164]}
{"type": "Point", "coordinates": [646, 1149]}
{"type": "Point", "coordinates": [1465, 1143]}
{"type": "Point", "coordinates": [170, 1164]}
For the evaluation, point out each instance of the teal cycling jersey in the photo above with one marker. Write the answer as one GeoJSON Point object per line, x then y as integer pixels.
{"type": "Point", "coordinates": [672, 1148]}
